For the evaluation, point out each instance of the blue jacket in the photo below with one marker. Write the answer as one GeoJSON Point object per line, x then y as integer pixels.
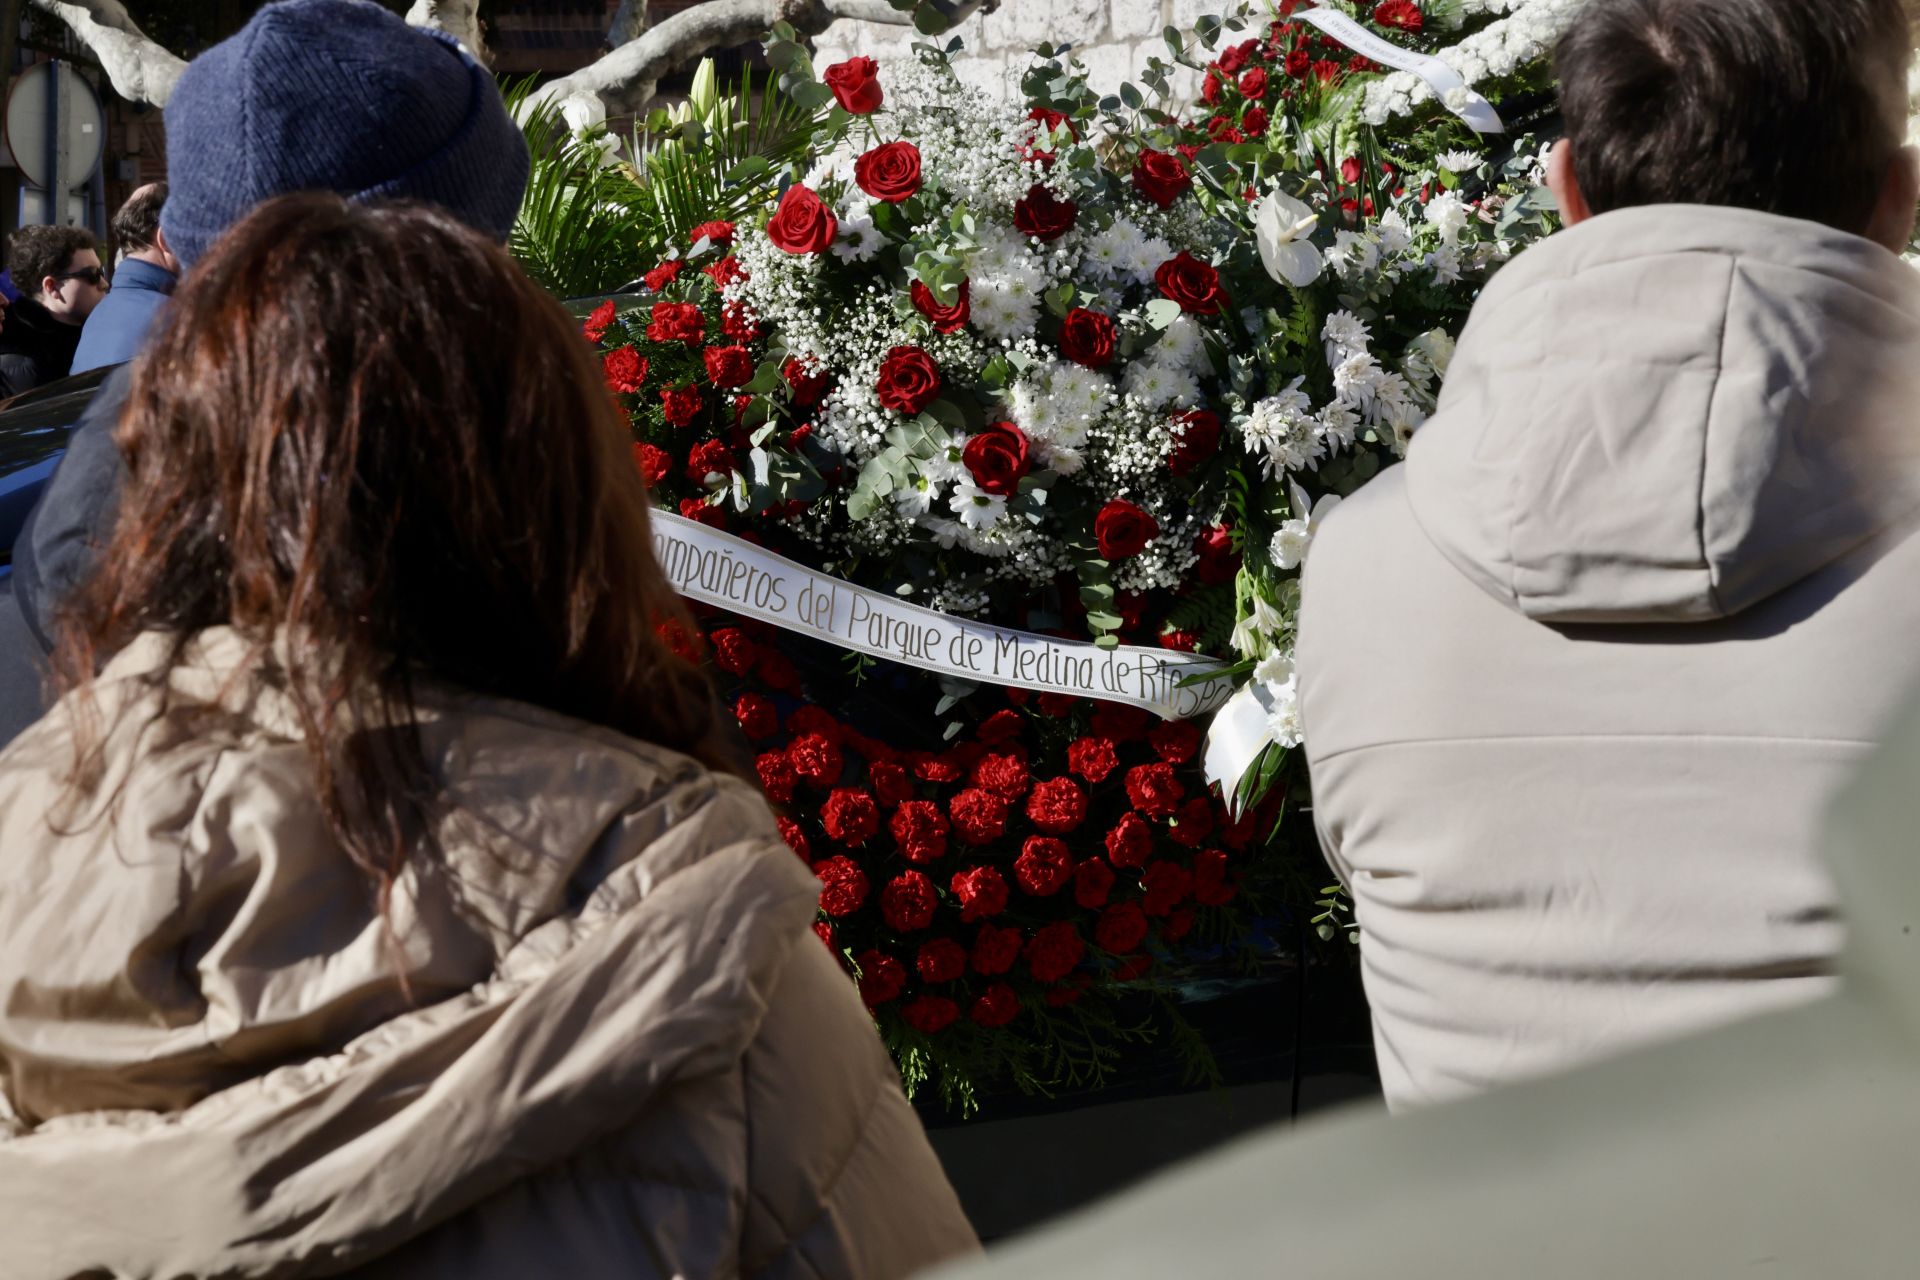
{"type": "Point", "coordinates": [116, 328]}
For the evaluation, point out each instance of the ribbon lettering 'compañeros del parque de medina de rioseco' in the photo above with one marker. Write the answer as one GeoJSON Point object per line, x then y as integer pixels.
{"type": "Point", "coordinates": [730, 573]}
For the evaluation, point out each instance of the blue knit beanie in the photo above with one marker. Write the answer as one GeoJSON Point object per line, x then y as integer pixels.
{"type": "Point", "coordinates": [343, 96]}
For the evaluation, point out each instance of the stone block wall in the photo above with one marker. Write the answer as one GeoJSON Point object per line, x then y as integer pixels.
{"type": "Point", "coordinates": [1114, 38]}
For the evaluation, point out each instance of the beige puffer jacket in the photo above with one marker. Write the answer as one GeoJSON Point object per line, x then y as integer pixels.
{"type": "Point", "coordinates": [1581, 677]}
{"type": "Point", "coordinates": [627, 1055]}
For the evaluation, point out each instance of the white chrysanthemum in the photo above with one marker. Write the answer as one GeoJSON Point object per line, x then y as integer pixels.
{"type": "Point", "coordinates": [1338, 425]}
{"type": "Point", "coordinates": [1184, 343]}
{"type": "Point", "coordinates": [1353, 253]}
{"type": "Point", "coordinates": [1395, 235]}
{"type": "Point", "coordinates": [858, 239]}
{"type": "Point", "coordinates": [1004, 306]}
{"type": "Point", "coordinates": [977, 509]}
{"type": "Point", "coordinates": [1113, 252]}
{"type": "Point", "coordinates": [1444, 262]}
{"type": "Point", "coordinates": [1356, 379]}
{"type": "Point", "coordinates": [1157, 383]}
{"type": "Point", "coordinates": [1457, 162]}
{"type": "Point", "coordinates": [1344, 333]}
{"type": "Point", "coordinates": [916, 497]}
{"type": "Point", "coordinates": [1148, 253]}
{"type": "Point", "coordinates": [946, 533]}
{"type": "Point", "coordinates": [949, 465]}
{"type": "Point", "coordinates": [1447, 214]}
{"type": "Point", "coordinates": [1063, 459]}
{"type": "Point", "coordinates": [1282, 428]}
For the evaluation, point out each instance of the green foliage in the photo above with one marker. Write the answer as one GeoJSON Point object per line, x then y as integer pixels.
{"type": "Point", "coordinates": [581, 227]}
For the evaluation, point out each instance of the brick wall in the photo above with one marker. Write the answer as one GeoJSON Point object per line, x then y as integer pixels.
{"type": "Point", "coordinates": [1113, 37]}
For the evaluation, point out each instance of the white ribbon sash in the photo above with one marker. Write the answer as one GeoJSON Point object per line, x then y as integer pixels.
{"type": "Point", "coordinates": [1441, 78]}
{"type": "Point", "coordinates": [730, 573]}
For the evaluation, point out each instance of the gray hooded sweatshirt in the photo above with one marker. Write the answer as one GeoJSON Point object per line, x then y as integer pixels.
{"type": "Point", "coordinates": [1580, 678]}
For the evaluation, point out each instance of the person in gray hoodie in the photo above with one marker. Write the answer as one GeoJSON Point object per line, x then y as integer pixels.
{"type": "Point", "coordinates": [1580, 677]}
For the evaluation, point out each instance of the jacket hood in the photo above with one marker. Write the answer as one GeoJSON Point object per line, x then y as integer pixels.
{"type": "Point", "coordinates": [1672, 413]}
{"type": "Point", "coordinates": [206, 1065]}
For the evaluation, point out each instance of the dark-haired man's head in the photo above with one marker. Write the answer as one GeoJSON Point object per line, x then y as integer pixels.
{"type": "Point", "coordinates": [59, 268]}
{"type": "Point", "coordinates": [136, 228]}
{"type": "Point", "coordinates": [1793, 107]}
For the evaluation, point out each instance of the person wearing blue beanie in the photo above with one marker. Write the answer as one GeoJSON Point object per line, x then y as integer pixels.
{"type": "Point", "coordinates": [310, 95]}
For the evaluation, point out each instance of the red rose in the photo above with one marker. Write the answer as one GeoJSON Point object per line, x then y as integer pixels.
{"type": "Point", "coordinates": [796, 839]}
{"type": "Point", "coordinates": [721, 233]}
{"type": "Point", "coordinates": [997, 456]}
{"type": "Point", "coordinates": [1001, 726]}
{"type": "Point", "coordinates": [1130, 841]}
{"type": "Point", "coordinates": [982, 892]}
{"type": "Point", "coordinates": [941, 960]}
{"type": "Point", "coordinates": [1219, 562]}
{"type": "Point", "coordinates": [881, 977]}
{"type": "Point", "coordinates": [995, 949]}
{"type": "Point", "coordinates": [945, 319]}
{"type": "Point", "coordinates": [1004, 775]}
{"type": "Point", "coordinates": [1253, 85]}
{"type": "Point", "coordinates": [1086, 337]}
{"type": "Point", "coordinates": [908, 380]}
{"type": "Point", "coordinates": [655, 463]}
{"type": "Point", "coordinates": [680, 404]}
{"type": "Point", "coordinates": [709, 459]}
{"type": "Point", "coordinates": [1401, 15]}
{"type": "Point", "coordinates": [1050, 122]}
{"type": "Point", "coordinates": [1175, 741]}
{"type": "Point", "coordinates": [757, 716]}
{"type": "Point", "coordinates": [890, 172]}
{"type": "Point", "coordinates": [1199, 435]}
{"type": "Point", "coordinates": [1255, 122]}
{"type": "Point", "coordinates": [929, 1014]}
{"type": "Point", "coordinates": [802, 224]}
{"type": "Point", "coordinates": [1154, 790]}
{"type": "Point", "coordinates": [676, 322]}
{"type": "Point", "coordinates": [1210, 90]}
{"type": "Point", "coordinates": [663, 275]}
{"type": "Point", "coordinates": [1092, 882]}
{"type": "Point", "coordinates": [908, 902]}
{"type": "Point", "coordinates": [1043, 215]}
{"type": "Point", "coordinates": [1161, 177]}
{"type": "Point", "coordinates": [996, 1006]}
{"type": "Point", "coordinates": [1122, 927]}
{"type": "Point", "coordinates": [1053, 952]}
{"type": "Point", "coordinates": [598, 321]}
{"type": "Point", "coordinates": [850, 815]}
{"type": "Point", "coordinates": [1221, 129]}
{"type": "Point", "coordinates": [1167, 885]}
{"type": "Point", "coordinates": [979, 816]}
{"type": "Point", "coordinates": [1092, 758]}
{"type": "Point", "coordinates": [816, 759]}
{"type": "Point", "coordinates": [1193, 824]}
{"type": "Point", "coordinates": [1123, 530]}
{"type": "Point", "coordinates": [777, 777]}
{"type": "Point", "coordinates": [1043, 867]}
{"type": "Point", "coordinates": [889, 781]}
{"type": "Point", "coordinates": [1237, 56]}
{"type": "Point", "coordinates": [845, 885]}
{"type": "Point", "coordinates": [1191, 283]}
{"type": "Point", "coordinates": [1298, 63]}
{"type": "Point", "coordinates": [1119, 722]}
{"type": "Point", "coordinates": [1057, 806]}
{"type": "Point", "coordinates": [728, 366]}
{"type": "Point", "coordinates": [855, 84]}
{"type": "Point", "coordinates": [1210, 885]}
{"type": "Point", "coordinates": [921, 830]}
{"type": "Point", "coordinates": [625, 370]}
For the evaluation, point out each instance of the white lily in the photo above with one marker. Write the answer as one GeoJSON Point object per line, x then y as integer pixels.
{"type": "Point", "coordinates": [1283, 229]}
{"type": "Point", "coordinates": [1295, 537]}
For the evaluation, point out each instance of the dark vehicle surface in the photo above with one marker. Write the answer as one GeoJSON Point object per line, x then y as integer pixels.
{"type": "Point", "coordinates": [34, 428]}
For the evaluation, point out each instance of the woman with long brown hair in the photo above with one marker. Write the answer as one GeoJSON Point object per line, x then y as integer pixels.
{"type": "Point", "coordinates": [374, 899]}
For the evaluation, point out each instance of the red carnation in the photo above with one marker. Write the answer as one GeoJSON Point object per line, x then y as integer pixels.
{"type": "Point", "coordinates": [1001, 726]}
{"type": "Point", "coordinates": [728, 366]}
{"type": "Point", "coordinates": [889, 781]}
{"type": "Point", "coordinates": [908, 380]}
{"type": "Point", "coordinates": [757, 715]}
{"type": "Point", "coordinates": [1057, 806]}
{"type": "Point", "coordinates": [1119, 722]}
{"type": "Point", "coordinates": [1161, 177]}
{"type": "Point", "coordinates": [982, 892]}
{"type": "Point", "coordinates": [908, 902]}
{"type": "Point", "coordinates": [941, 960]}
{"type": "Point", "coordinates": [882, 978]}
{"type": "Point", "coordinates": [1198, 431]}
{"type": "Point", "coordinates": [676, 322]}
{"type": "Point", "coordinates": [816, 759]}
{"type": "Point", "coordinates": [1237, 56]}
{"type": "Point", "coordinates": [1167, 885]}
{"type": "Point", "coordinates": [663, 275]}
{"type": "Point", "coordinates": [937, 769]}
{"type": "Point", "coordinates": [802, 224]}
{"type": "Point", "coordinates": [733, 652]}
{"type": "Point", "coordinates": [1043, 215]}
{"type": "Point", "coordinates": [1154, 790]}
{"type": "Point", "coordinates": [1123, 530]}
{"type": "Point", "coordinates": [850, 815]}
{"type": "Point", "coordinates": [1255, 122]}
{"type": "Point", "coordinates": [816, 719]}
{"type": "Point", "coordinates": [995, 949]}
{"type": "Point", "coordinates": [1122, 927]}
{"type": "Point", "coordinates": [1210, 88]}
{"type": "Point", "coordinates": [1053, 951]}
{"type": "Point", "coordinates": [777, 777]}
{"type": "Point", "coordinates": [1191, 283]}
{"type": "Point", "coordinates": [796, 839]}
{"type": "Point", "coordinates": [856, 85]}
{"type": "Point", "coordinates": [1092, 758]}
{"type": "Point", "coordinates": [979, 816]}
{"type": "Point", "coordinates": [710, 458]}
{"type": "Point", "coordinates": [736, 321]}
{"type": "Point", "coordinates": [1087, 337]}
{"type": "Point", "coordinates": [724, 272]}
{"type": "Point", "coordinates": [721, 233]}
{"type": "Point", "coordinates": [1253, 85]}
{"type": "Point", "coordinates": [598, 321]}
{"type": "Point", "coordinates": [1210, 884]}
{"type": "Point", "coordinates": [777, 673]}
{"type": "Point", "coordinates": [945, 319]}
{"type": "Point", "coordinates": [655, 463]}
{"type": "Point", "coordinates": [702, 512]}
{"type": "Point", "coordinates": [890, 172]}
{"type": "Point", "coordinates": [1178, 924]}
{"type": "Point", "coordinates": [625, 370]}
{"type": "Point", "coordinates": [921, 830]}
{"type": "Point", "coordinates": [680, 404]}
{"type": "Point", "coordinates": [1004, 775]}
{"type": "Point", "coordinates": [997, 457]}
{"type": "Point", "coordinates": [808, 385]}
{"type": "Point", "coordinates": [996, 1006]}
{"type": "Point", "coordinates": [1193, 824]}
{"type": "Point", "coordinates": [1175, 741]}
{"type": "Point", "coordinates": [929, 1014]}
{"type": "Point", "coordinates": [845, 885]}
{"type": "Point", "coordinates": [1043, 867]}
{"type": "Point", "coordinates": [1092, 882]}
{"type": "Point", "coordinates": [1130, 841]}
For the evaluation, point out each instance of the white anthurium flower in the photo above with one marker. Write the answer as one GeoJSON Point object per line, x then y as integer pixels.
{"type": "Point", "coordinates": [1293, 539]}
{"type": "Point", "coordinates": [582, 111]}
{"type": "Point", "coordinates": [1283, 229]}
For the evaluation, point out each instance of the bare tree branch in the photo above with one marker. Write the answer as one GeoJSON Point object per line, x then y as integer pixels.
{"type": "Point", "coordinates": [458, 18]}
{"type": "Point", "coordinates": [139, 69]}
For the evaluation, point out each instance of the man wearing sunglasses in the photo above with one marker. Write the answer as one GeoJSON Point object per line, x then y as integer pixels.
{"type": "Point", "coordinates": [58, 272]}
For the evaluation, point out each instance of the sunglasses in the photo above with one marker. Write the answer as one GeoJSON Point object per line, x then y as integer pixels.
{"type": "Point", "coordinates": [92, 275]}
